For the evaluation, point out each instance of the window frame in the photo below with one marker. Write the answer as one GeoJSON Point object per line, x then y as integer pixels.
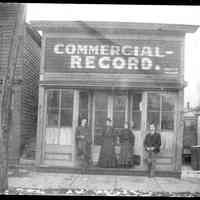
{"type": "Point", "coordinates": [161, 111]}
{"type": "Point", "coordinates": [131, 109]}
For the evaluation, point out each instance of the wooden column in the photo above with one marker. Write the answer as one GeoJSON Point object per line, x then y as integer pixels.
{"type": "Point", "coordinates": [40, 125]}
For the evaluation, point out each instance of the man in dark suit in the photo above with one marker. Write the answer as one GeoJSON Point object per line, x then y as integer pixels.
{"type": "Point", "coordinates": [152, 143]}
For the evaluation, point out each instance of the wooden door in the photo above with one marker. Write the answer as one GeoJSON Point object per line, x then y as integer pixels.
{"type": "Point", "coordinates": [119, 109]}
{"type": "Point", "coordinates": [136, 119]}
{"type": "Point", "coordinates": [161, 110]}
{"type": "Point", "coordinates": [101, 111]}
{"type": "Point", "coordinates": [59, 132]}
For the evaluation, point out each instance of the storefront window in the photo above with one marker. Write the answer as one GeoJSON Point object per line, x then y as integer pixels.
{"type": "Point", "coordinates": [52, 115]}
{"type": "Point", "coordinates": [53, 99]}
{"type": "Point", "coordinates": [83, 105]}
{"type": "Point", "coordinates": [136, 111]}
{"type": "Point", "coordinates": [66, 108]}
{"type": "Point", "coordinates": [119, 107]}
{"type": "Point", "coordinates": [168, 106]}
{"type": "Point", "coordinates": [101, 103]}
{"type": "Point", "coordinates": [161, 110]}
{"type": "Point", "coordinates": [154, 118]}
{"type": "Point", "coordinates": [52, 108]}
{"type": "Point", "coordinates": [59, 116]}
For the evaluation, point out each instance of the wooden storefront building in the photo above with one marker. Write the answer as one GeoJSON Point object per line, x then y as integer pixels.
{"type": "Point", "coordinates": [25, 89]}
{"type": "Point", "coordinates": [125, 71]}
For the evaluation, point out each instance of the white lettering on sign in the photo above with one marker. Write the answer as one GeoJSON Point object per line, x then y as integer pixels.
{"type": "Point", "coordinates": [118, 63]}
{"type": "Point", "coordinates": [111, 56]}
{"type": "Point", "coordinates": [146, 63]}
{"type": "Point", "coordinates": [58, 48]}
{"type": "Point", "coordinates": [133, 63]}
{"type": "Point", "coordinates": [76, 62]}
{"type": "Point", "coordinates": [104, 50]}
{"type": "Point", "coordinates": [103, 64]}
{"type": "Point", "coordinates": [115, 50]}
{"type": "Point", "coordinates": [146, 51]}
{"type": "Point", "coordinates": [126, 50]}
{"type": "Point", "coordinates": [93, 49]}
{"type": "Point", "coordinates": [89, 61]}
{"type": "Point", "coordinates": [82, 49]}
{"type": "Point", "coordinates": [70, 49]}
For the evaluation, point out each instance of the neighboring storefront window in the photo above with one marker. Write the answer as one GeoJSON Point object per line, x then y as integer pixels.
{"type": "Point", "coordinates": [119, 109]}
{"type": "Point", "coordinates": [101, 113]}
{"type": "Point", "coordinates": [136, 110]}
{"type": "Point", "coordinates": [161, 108]}
{"type": "Point", "coordinates": [59, 116]}
{"type": "Point", "coordinates": [83, 105]}
{"type": "Point", "coordinates": [52, 108]}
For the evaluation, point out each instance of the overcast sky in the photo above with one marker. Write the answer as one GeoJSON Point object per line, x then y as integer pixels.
{"type": "Point", "coordinates": [136, 13]}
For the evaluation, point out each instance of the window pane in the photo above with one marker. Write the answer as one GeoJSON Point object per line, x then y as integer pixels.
{"type": "Point", "coordinates": [137, 120]}
{"type": "Point", "coordinates": [137, 98]}
{"type": "Point", "coordinates": [53, 98]}
{"type": "Point", "coordinates": [98, 136]}
{"type": "Point", "coordinates": [136, 113]}
{"type": "Point", "coordinates": [83, 114]}
{"type": "Point", "coordinates": [154, 117]}
{"type": "Point", "coordinates": [167, 122]}
{"type": "Point", "coordinates": [101, 101]}
{"type": "Point", "coordinates": [118, 119]}
{"type": "Point", "coordinates": [190, 125]}
{"type": "Point", "coordinates": [168, 103]}
{"type": "Point", "coordinates": [154, 102]}
{"type": "Point", "coordinates": [83, 102]}
{"type": "Point", "coordinates": [67, 99]}
{"type": "Point", "coordinates": [83, 106]}
{"type": "Point", "coordinates": [100, 118]}
{"type": "Point", "coordinates": [66, 117]}
{"type": "Point", "coordinates": [119, 103]}
{"type": "Point", "coordinates": [52, 117]}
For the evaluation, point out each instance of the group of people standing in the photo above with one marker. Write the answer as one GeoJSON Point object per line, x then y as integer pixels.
{"type": "Point", "coordinates": [125, 138]}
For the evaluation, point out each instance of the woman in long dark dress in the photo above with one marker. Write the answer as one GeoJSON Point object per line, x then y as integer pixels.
{"type": "Point", "coordinates": [107, 158]}
{"type": "Point", "coordinates": [127, 140]}
{"type": "Point", "coordinates": [83, 140]}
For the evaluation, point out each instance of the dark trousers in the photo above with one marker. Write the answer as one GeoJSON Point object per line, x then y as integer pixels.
{"type": "Point", "coordinates": [151, 163]}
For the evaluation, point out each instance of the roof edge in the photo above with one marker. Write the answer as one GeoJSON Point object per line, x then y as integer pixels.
{"type": "Point", "coordinates": [44, 25]}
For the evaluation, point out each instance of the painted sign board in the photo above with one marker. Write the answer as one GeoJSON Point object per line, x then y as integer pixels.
{"type": "Point", "coordinates": [94, 55]}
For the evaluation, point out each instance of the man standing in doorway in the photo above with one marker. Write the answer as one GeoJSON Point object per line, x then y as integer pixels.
{"type": "Point", "coordinates": [83, 144]}
{"type": "Point", "coordinates": [152, 143]}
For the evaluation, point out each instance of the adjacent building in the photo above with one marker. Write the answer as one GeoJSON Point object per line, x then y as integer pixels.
{"type": "Point", "coordinates": [25, 90]}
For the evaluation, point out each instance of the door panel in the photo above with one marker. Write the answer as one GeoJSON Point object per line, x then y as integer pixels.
{"type": "Point", "coordinates": [100, 115]}
{"type": "Point", "coordinates": [161, 110]}
{"type": "Point", "coordinates": [136, 112]}
{"type": "Point", "coordinates": [119, 110]}
{"type": "Point", "coordinates": [59, 138]}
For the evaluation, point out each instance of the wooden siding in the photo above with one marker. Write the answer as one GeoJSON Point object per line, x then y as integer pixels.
{"type": "Point", "coordinates": [24, 104]}
{"type": "Point", "coordinates": [30, 90]}
{"type": "Point", "coordinates": [8, 14]}
{"type": "Point", "coordinates": [15, 129]}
